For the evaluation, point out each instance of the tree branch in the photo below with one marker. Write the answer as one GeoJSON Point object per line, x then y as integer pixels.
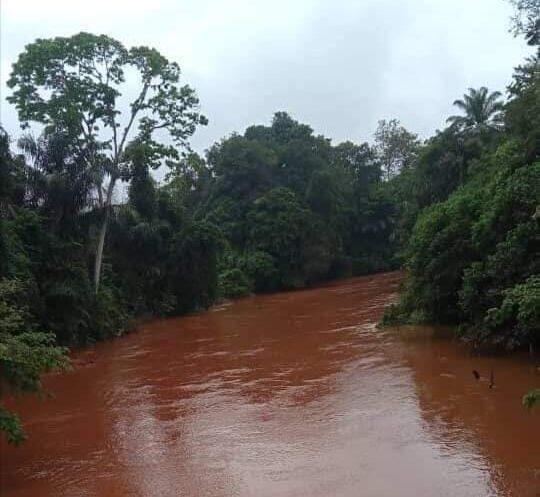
{"type": "Point", "coordinates": [137, 105]}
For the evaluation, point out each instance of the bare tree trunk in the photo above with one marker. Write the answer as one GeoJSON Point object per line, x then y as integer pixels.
{"type": "Point", "coordinates": [102, 234]}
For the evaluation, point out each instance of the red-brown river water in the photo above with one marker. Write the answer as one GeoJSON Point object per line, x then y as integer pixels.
{"type": "Point", "coordinates": [292, 394]}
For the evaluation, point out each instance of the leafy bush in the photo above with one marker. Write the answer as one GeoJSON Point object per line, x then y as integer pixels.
{"type": "Point", "coordinates": [233, 283]}
{"type": "Point", "coordinates": [531, 398]}
{"type": "Point", "coordinates": [517, 320]}
{"type": "Point", "coordinates": [260, 268]}
{"type": "Point", "coordinates": [474, 259]}
{"type": "Point", "coordinates": [25, 353]}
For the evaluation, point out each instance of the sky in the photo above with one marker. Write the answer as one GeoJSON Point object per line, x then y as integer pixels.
{"type": "Point", "coordinates": [337, 65]}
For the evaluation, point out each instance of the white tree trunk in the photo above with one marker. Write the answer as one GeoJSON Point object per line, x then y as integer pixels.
{"type": "Point", "coordinates": [102, 234]}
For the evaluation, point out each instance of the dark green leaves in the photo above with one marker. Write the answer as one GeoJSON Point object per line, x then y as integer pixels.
{"type": "Point", "coordinates": [25, 354]}
{"type": "Point", "coordinates": [73, 84]}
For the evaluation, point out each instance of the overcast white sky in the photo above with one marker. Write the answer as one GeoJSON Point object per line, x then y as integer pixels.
{"type": "Point", "coordinates": [339, 65]}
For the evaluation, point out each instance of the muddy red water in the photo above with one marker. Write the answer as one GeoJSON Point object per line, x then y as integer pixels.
{"type": "Point", "coordinates": [293, 394]}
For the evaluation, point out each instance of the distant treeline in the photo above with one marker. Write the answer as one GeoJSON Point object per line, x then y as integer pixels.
{"type": "Point", "coordinates": [277, 207]}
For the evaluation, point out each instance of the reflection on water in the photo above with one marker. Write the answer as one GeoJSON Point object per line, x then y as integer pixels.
{"type": "Point", "coordinates": [290, 394]}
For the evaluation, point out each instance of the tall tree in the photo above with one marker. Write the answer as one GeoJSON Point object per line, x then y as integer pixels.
{"type": "Point", "coordinates": [482, 109]}
{"type": "Point", "coordinates": [73, 85]}
{"type": "Point", "coordinates": [396, 148]}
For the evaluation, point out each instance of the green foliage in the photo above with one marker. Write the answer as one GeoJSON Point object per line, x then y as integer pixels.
{"type": "Point", "coordinates": [482, 110]}
{"type": "Point", "coordinates": [465, 253]}
{"type": "Point", "coordinates": [279, 225]}
{"type": "Point", "coordinates": [71, 85]}
{"type": "Point", "coordinates": [193, 266]}
{"type": "Point", "coordinates": [438, 251]}
{"type": "Point", "coordinates": [396, 147]}
{"type": "Point", "coordinates": [164, 263]}
{"type": "Point", "coordinates": [527, 20]}
{"type": "Point", "coordinates": [473, 253]}
{"type": "Point", "coordinates": [522, 116]}
{"type": "Point", "coordinates": [233, 283]}
{"type": "Point", "coordinates": [261, 270]}
{"type": "Point", "coordinates": [531, 398]}
{"type": "Point", "coordinates": [519, 313]}
{"type": "Point", "coordinates": [82, 76]}
{"type": "Point", "coordinates": [11, 426]}
{"type": "Point", "coordinates": [297, 210]}
{"type": "Point", "coordinates": [25, 353]}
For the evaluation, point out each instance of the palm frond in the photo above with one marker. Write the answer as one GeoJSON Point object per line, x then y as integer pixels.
{"type": "Point", "coordinates": [479, 106]}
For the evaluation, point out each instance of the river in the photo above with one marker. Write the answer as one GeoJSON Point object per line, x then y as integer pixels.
{"type": "Point", "coordinates": [291, 394]}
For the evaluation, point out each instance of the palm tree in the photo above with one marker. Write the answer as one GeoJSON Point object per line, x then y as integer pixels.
{"type": "Point", "coordinates": [481, 108]}
{"type": "Point", "coordinates": [57, 180]}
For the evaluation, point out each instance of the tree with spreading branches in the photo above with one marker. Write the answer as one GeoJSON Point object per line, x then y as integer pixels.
{"type": "Point", "coordinates": [73, 85]}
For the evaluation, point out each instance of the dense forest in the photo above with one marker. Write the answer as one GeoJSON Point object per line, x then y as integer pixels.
{"type": "Point", "coordinates": [90, 241]}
